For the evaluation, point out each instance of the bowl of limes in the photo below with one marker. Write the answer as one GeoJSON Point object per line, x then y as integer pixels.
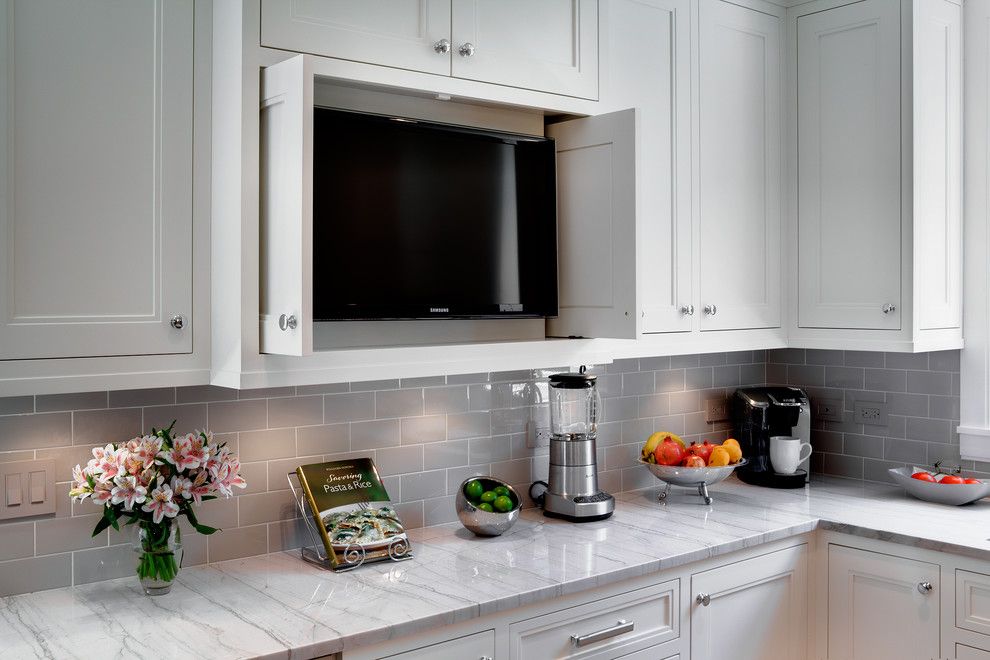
{"type": "Point", "coordinates": [487, 506]}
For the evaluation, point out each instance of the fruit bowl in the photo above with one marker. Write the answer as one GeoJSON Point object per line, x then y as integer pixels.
{"type": "Point", "coordinates": [700, 477]}
{"type": "Point", "coordinates": [951, 494]}
{"type": "Point", "coordinates": [486, 523]}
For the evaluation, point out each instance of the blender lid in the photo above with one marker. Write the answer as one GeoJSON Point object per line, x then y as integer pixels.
{"type": "Point", "coordinates": [573, 381]}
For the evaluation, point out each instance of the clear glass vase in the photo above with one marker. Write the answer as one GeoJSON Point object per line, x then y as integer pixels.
{"type": "Point", "coordinates": [159, 551]}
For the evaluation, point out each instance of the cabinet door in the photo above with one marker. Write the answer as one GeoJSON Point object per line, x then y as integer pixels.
{"type": "Point", "coordinates": [849, 167]}
{"type": "Point", "coordinates": [479, 645]}
{"type": "Point", "coordinates": [596, 226]}
{"type": "Point", "coordinates": [739, 180]}
{"type": "Point", "coordinates": [286, 212]}
{"type": "Point", "coordinates": [877, 609]}
{"type": "Point", "coordinates": [755, 609]}
{"type": "Point", "coordinates": [938, 164]}
{"type": "Point", "coordinates": [549, 46]}
{"type": "Point", "coordinates": [96, 103]}
{"type": "Point", "coordinates": [964, 652]}
{"type": "Point", "coordinates": [397, 34]}
{"type": "Point", "coordinates": [659, 87]}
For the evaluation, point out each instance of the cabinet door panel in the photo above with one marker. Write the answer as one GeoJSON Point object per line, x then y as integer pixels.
{"type": "Point", "coordinates": [872, 594]}
{"type": "Point", "coordinates": [739, 181]}
{"type": "Point", "coordinates": [757, 609]}
{"type": "Point", "coordinates": [96, 103]}
{"type": "Point", "coordinates": [550, 45]}
{"type": "Point", "coordinates": [938, 164]}
{"type": "Point", "coordinates": [660, 88]}
{"type": "Point", "coordinates": [478, 645]}
{"type": "Point", "coordinates": [849, 167]}
{"type": "Point", "coordinates": [596, 226]}
{"type": "Point", "coordinates": [396, 34]}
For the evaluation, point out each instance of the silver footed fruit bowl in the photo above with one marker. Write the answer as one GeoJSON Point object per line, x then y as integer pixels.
{"type": "Point", "coordinates": [691, 477]}
{"type": "Point", "coordinates": [486, 523]}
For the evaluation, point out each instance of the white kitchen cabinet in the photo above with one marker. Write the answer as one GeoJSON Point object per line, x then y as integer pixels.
{"type": "Point", "coordinates": [755, 609]}
{"type": "Point", "coordinates": [479, 645]}
{"type": "Point", "coordinates": [549, 46]}
{"type": "Point", "coordinates": [96, 199]}
{"type": "Point", "coordinates": [964, 652]}
{"type": "Point", "coordinates": [871, 595]}
{"type": "Point", "coordinates": [877, 185]}
{"type": "Point", "coordinates": [739, 177]}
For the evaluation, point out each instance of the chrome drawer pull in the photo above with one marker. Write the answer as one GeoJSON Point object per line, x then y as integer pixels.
{"type": "Point", "coordinates": [619, 628]}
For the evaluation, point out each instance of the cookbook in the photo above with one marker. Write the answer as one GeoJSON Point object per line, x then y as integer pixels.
{"type": "Point", "coordinates": [353, 512]}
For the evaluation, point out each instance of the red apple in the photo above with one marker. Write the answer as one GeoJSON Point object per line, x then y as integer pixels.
{"type": "Point", "coordinates": [669, 452]}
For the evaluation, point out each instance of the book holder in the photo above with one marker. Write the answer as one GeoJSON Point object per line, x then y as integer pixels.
{"type": "Point", "coordinates": [354, 555]}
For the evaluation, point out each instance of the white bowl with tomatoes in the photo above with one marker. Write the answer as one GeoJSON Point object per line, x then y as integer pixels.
{"type": "Point", "coordinates": [936, 486]}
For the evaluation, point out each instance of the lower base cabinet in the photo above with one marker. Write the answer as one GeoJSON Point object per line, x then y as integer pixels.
{"type": "Point", "coordinates": [756, 609]}
{"type": "Point", "coordinates": [881, 607]}
{"type": "Point", "coordinates": [479, 645]}
{"type": "Point", "coordinates": [964, 652]}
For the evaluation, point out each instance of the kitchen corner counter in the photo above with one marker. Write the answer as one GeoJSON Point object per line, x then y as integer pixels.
{"type": "Point", "coordinates": [277, 606]}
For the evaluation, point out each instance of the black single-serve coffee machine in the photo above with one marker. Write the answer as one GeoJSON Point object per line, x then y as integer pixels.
{"type": "Point", "coordinates": [759, 413]}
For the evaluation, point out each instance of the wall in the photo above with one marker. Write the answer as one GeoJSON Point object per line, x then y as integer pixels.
{"type": "Point", "coordinates": [922, 395]}
{"type": "Point", "coordinates": [426, 435]}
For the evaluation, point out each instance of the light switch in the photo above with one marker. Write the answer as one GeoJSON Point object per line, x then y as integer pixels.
{"type": "Point", "coordinates": [13, 489]}
{"type": "Point", "coordinates": [37, 487]}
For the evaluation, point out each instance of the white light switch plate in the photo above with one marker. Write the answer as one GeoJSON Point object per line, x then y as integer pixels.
{"type": "Point", "coordinates": [35, 483]}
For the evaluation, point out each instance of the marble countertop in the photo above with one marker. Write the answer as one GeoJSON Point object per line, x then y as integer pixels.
{"type": "Point", "coordinates": [277, 606]}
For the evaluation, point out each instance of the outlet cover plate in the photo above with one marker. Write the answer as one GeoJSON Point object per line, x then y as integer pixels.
{"type": "Point", "coordinates": [716, 410]}
{"type": "Point", "coordinates": [829, 410]}
{"type": "Point", "coordinates": [873, 413]}
{"type": "Point", "coordinates": [537, 436]}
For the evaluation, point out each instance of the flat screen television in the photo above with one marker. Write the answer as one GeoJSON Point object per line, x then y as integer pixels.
{"type": "Point", "coordinates": [417, 220]}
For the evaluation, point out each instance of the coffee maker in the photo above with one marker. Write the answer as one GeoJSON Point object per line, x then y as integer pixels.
{"type": "Point", "coordinates": [571, 491]}
{"type": "Point", "coordinates": [759, 413]}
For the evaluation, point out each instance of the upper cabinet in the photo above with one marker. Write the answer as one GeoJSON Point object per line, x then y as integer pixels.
{"type": "Point", "coordinates": [548, 46]}
{"type": "Point", "coordinates": [739, 185]}
{"type": "Point", "coordinates": [96, 130]}
{"type": "Point", "coordinates": [877, 183]}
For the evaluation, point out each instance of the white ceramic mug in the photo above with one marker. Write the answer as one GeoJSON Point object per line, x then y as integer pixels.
{"type": "Point", "coordinates": [786, 453]}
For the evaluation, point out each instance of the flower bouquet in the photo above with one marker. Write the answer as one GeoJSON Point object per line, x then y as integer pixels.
{"type": "Point", "coordinates": [151, 480]}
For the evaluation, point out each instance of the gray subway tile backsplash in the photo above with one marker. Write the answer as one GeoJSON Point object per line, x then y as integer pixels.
{"type": "Point", "coordinates": [429, 434]}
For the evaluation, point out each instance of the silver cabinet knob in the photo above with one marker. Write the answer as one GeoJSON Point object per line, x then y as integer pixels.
{"type": "Point", "coordinates": [703, 599]}
{"type": "Point", "coordinates": [178, 321]}
{"type": "Point", "coordinates": [888, 308]}
{"type": "Point", "coordinates": [926, 587]}
{"type": "Point", "coordinates": [467, 50]}
{"type": "Point", "coordinates": [287, 322]}
{"type": "Point", "coordinates": [442, 47]}
{"type": "Point", "coordinates": [711, 310]}
{"type": "Point", "coordinates": [687, 310]}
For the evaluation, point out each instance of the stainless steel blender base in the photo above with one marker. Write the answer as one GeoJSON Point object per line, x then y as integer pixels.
{"type": "Point", "coordinates": [581, 508]}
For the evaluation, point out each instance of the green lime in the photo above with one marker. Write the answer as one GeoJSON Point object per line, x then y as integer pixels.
{"type": "Point", "coordinates": [473, 489]}
{"type": "Point", "coordinates": [488, 496]}
{"type": "Point", "coordinates": [501, 490]}
{"type": "Point", "coordinates": [503, 503]}
{"type": "Point", "coordinates": [485, 506]}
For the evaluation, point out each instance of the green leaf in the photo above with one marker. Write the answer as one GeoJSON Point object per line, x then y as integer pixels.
{"type": "Point", "coordinates": [101, 525]}
{"type": "Point", "coordinates": [204, 530]}
{"type": "Point", "coordinates": [111, 515]}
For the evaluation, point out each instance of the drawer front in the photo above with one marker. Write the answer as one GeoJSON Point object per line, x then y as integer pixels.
{"type": "Point", "coordinates": [608, 628]}
{"type": "Point", "coordinates": [649, 654]}
{"type": "Point", "coordinates": [479, 645]}
{"type": "Point", "coordinates": [973, 601]}
{"type": "Point", "coordinates": [964, 652]}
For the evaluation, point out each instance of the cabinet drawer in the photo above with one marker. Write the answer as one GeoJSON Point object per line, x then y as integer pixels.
{"type": "Point", "coordinates": [479, 645]}
{"type": "Point", "coordinates": [607, 628]}
{"type": "Point", "coordinates": [973, 601]}
{"type": "Point", "coordinates": [964, 652]}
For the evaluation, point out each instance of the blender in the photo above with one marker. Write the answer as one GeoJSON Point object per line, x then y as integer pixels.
{"type": "Point", "coordinates": [571, 491]}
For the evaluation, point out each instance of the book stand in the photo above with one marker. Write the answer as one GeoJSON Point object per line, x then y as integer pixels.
{"type": "Point", "coordinates": [354, 555]}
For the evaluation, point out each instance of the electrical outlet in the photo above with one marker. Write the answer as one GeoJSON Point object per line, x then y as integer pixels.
{"type": "Point", "coordinates": [537, 436]}
{"type": "Point", "coordinates": [716, 410]}
{"type": "Point", "coordinates": [873, 413]}
{"type": "Point", "coordinates": [830, 410]}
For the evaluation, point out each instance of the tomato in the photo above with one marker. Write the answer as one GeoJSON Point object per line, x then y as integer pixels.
{"type": "Point", "coordinates": [693, 461]}
{"type": "Point", "coordinates": [952, 479]}
{"type": "Point", "coordinates": [923, 476]}
{"type": "Point", "coordinates": [970, 480]}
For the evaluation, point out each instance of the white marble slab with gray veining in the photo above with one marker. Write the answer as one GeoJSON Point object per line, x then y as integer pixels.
{"type": "Point", "coordinates": [277, 606]}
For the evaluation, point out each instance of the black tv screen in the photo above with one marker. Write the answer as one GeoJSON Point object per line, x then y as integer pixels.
{"type": "Point", "coordinates": [415, 220]}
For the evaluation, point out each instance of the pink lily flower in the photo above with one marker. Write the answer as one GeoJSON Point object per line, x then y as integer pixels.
{"type": "Point", "coordinates": [182, 487]}
{"type": "Point", "coordinates": [160, 503]}
{"type": "Point", "coordinates": [228, 476]}
{"type": "Point", "coordinates": [199, 487]}
{"type": "Point", "coordinates": [128, 491]}
{"type": "Point", "coordinates": [102, 494]}
{"type": "Point", "coordinates": [184, 455]}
